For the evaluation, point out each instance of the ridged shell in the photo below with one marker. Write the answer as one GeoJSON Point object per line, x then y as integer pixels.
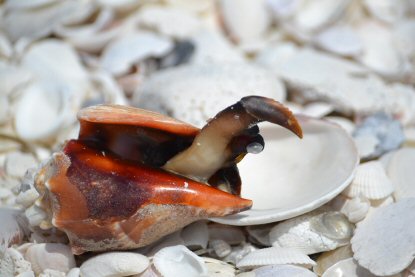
{"type": "Point", "coordinates": [177, 260]}
{"type": "Point", "coordinates": [283, 271]}
{"type": "Point", "coordinates": [384, 241]}
{"type": "Point", "coordinates": [54, 256]}
{"type": "Point", "coordinates": [370, 181]}
{"type": "Point", "coordinates": [400, 171]}
{"type": "Point", "coordinates": [275, 256]}
{"type": "Point", "coordinates": [114, 264]}
{"type": "Point", "coordinates": [313, 232]}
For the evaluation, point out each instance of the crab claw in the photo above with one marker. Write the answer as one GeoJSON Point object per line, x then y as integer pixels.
{"type": "Point", "coordinates": [230, 134]}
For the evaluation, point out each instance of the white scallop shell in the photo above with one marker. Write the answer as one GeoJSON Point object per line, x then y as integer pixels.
{"type": "Point", "coordinates": [325, 146]}
{"type": "Point", "coordinates": [195, 235]}
{"type": "Point", "coordinates": [177, 260]}
{"type": "Point", "coordinates": [283, 271]}
{"type": "Point", "coordinates": [314, 232]}
{"type": "Point", "coordinates": [400, 171]}
{"type": "Point", "coordinates": [383, 242]}
{"type": "Point", "coordinates": [231, 234]}
{"type": "Point", "coordinates": [115, 264]}
{"type": "Point", "coordinates": [54, 256]}
{"type": "Point", "coordinates": [327, 259]}
{"type": "Point", "coordinates": [275, 256]}
{"type": "Point", "coordinates": [370, 181]}
{"type": "Point", "coordinates": [348, 267]}
{"type": "Point", "coordinates": [194, 93]}
{"type": "Point", "coordinates": [238, 252]}
{"type": "Point", "coordinates": [355, 208]}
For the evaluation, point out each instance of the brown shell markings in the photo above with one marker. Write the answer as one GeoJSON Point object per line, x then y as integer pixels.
{"type": "Point", "coordinates": [118, 186]}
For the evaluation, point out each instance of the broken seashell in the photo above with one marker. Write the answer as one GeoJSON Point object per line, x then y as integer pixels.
{"type": "Point", "coordinates": [16, 163]}
{"type": "Point", "coordinates": [12, 263]}
{"type": "Point", "coordinates": [195, 235]}
{"type": "Point", "coordinates": [314, 232]}
{"type": "Point", "coordinates": [217, 268]}
{"type": "Point", "coordinates": [399, 170]}
{"type": "Point", "coordinates": [389, 11]}
{"type": "Point", "coordinates": [283, 271]}
{"type": "Point", "coordinates": [340, 40]}
{"type": "Point", "coordinates": [220, 248]}
{"type": "Point", "coordinates": [355, 208]}
{"type": "Point", "coordinates": [169, 21]}
{"type": "Point", "coordinates": [327, 259]}
{"type": "Point", "coordinates": [325, 146]}
{"type": "Point", "coordinates": [245, 21]}
{"type": "Point", "coordinates": [238, 252]}
{"type": "Point", "coordinates": [192, 92]}
{"type": "Point", "coordinates": [275, 256]}
{"type": "Point", "coordinates": [178, 261]}
{"type": "Point", "coordinates": [348, 267]}
{"type": "Point", "coordinates": [380, 243]}
{"type": "Point", "coordinates": [114, 264]}
{"type": "Point", "coordinates": [121, 54]}
{"type": "Point", "coordinates": [231, 234]}
{"type": "Point", "coordinates": [158, 202]}
{"type": "Point", "coordinates": [54, 256]}
{"type": "Point", "coordinates": [370, 181]}
{"type": "Point", "coordinates": [10, 230]}
{"type": "Point", "coordinates": [259, 233]}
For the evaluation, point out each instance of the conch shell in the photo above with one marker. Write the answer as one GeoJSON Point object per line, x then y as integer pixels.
{"type": "Point", "coordinates": [134, 176]}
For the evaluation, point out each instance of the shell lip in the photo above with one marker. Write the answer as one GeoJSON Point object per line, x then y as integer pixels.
{"type": "Point", "coordinates": [264, 216]}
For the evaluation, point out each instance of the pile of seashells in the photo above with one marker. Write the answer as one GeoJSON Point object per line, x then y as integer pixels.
{"type": "Point", "coordinates": [339, 202]}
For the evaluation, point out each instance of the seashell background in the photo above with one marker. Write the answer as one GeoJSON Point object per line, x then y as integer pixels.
{"type": "Point", "coordinates": [350, 62]}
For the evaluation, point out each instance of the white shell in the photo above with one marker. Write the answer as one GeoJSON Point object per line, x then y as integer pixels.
{"type": "Point", "coordinates": [238, 252]}
{"type": "Point", "coordinates": [13, 263]}
{"type": "Point", "coordinates": [10, 231]}
{"type": "Point", "coordinates": [220, 248]}
{"type": "Point", "coordinates": [400, 171]}
{"type": "Point", "coordinates": [384, 242]}
{"type": "Point", "coordinates": [355, 208]}
{"type": "Point", "coordinates": [348, 267]}
{"type": "Point", "coordinates": [74, 272]}
{"type": "Point", "coordinates": [245, 20]}
{"type": "Point", "coordinates": [55, 256]}
{"type": "Point", "coordinates": [173, 22]}
{"type": "Point", "coordinates": [340, 39]}
{"type": "Point", "coordinates": [217, 268]}
{"type": "Point", "coordinates": [121, 54]}
{"type": "Point", "coordinates": [259, 233]}
{"type": "Point", "coordinates": [114, 264]}
{"type": "Point", "coordinates": [390, 11]}
{"type": "Point", "coordinates": [327, 259]}
{"type": "Point", "coordinates": [343, 122]}
{"type": "Point", "coordinates": [194, 93]}
{"type": "Point", "coordinates": [16, 163]}
{"type": "Point", "coordinates": [307, 72]}
{"type": "Point", "coordinates": [325, 146]}
{"type": "Point", "coordinates": [282, 271]}
{"type": "Point", "coordinates": [195, 235]}
{"type": "Point", "coordinates": [370, 181]}
{"type": "Point", "coordinates": [275, 256]}
{"type": "Point", "coordinates": [317, 109]}
{"type": "Point", "coordinates": [178, 261]}
{"type": "Point", "coordinates": [312, 233]}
